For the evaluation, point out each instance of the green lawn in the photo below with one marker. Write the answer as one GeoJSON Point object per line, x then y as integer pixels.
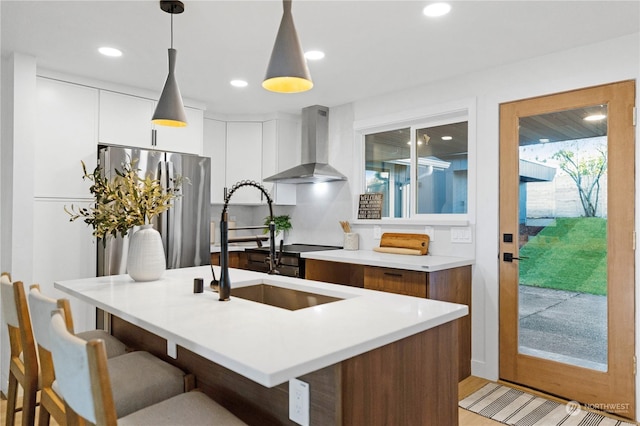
{"type": "Point", "coordinates": [570, 254]}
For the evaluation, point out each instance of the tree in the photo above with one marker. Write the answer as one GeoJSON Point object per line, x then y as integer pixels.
{"type": "Point", "coordinates": [586, 174]}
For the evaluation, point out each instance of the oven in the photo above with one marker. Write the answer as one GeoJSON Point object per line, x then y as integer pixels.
{"type": "Point", "coordinates": [291, 263]}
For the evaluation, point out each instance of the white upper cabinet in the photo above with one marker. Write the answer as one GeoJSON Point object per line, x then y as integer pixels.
{"type": "Point", "coordinates": [182, 139]}
{"type": "Point", "coordinates": [66, 133]}
{"type": "Point", "coordinates": [280, 151]}
{"type": "Point", "coordinates": [244, 159]}
{"type": "Point", "coordinates": [126, 120]}
{"type": "Point", "coordinates": [251, 150]}
{"type": "Point", "coordinates": [215, 147]}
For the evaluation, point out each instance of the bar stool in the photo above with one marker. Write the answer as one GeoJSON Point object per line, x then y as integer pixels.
{"type": "Point", "coordinates": [23, 361]}
{"type": "Point", "coordinates": [24, 365]}
{"type": "Point", "coordinates": [140, 378]}
{"type": "Point", "coordinates": [83, 377]}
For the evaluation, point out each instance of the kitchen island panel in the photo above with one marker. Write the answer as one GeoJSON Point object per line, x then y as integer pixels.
{"type": "Point", "coordinates": [253, 403]}
{"type": "Point", "coordinates": [410, 382]}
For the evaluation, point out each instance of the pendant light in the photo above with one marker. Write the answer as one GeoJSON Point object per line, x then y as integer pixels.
{"type": "Point", "coordinates": [287, 71]}
{"type": "Point", "coordinates": [170, 109]}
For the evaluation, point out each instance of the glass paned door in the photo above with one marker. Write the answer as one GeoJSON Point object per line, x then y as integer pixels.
{"type": "Point", "coordinates": [562, 238]}
{"type": "Point", "coordinates": [567, 246]}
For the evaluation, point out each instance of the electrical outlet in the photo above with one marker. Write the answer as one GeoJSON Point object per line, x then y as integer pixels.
{"type": "Point", "coordinates": [430, 232]}
{"type": "Point", "coordinates": [377, 232]}
{"type": "Point", "coordinates": [461, 234]}
{"type": "Point", "coordinates": [299, 402]}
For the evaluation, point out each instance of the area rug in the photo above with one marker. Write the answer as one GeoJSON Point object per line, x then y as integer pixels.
{"type": "Point", "coordinates": [514, 407]}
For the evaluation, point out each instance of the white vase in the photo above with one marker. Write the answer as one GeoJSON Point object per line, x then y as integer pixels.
{"type": "Point", "coordinates": [146, 261]}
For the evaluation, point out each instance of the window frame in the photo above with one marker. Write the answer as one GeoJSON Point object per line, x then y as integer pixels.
{"type": "Point", "coordinates": [436, 115]}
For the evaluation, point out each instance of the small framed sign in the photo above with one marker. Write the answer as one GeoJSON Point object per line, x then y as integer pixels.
{"type": "Point", "coordinates": [370, 206]}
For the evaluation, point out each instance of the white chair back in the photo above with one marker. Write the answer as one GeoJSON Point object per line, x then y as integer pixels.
{"type": "Point", "coordinates": [71, 362]}
{"type": "Point", "coordinates": [41, 307]}
{"type": "Point", "coordinates": [8, 302]}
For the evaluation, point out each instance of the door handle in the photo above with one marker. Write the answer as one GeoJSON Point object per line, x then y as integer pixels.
{"type": "Point", "coordinates": [508, 257]}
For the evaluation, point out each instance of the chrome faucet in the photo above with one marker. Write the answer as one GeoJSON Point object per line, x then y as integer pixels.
{"type": "Point", "coordinates": [224, 285]}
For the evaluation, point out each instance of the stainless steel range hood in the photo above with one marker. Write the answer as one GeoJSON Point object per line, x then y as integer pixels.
{"type": "Point", "coordinates": [315, 151]}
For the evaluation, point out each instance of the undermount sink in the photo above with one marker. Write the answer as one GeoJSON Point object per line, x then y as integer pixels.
{"type": "Point", "coordinates": [281, 297]}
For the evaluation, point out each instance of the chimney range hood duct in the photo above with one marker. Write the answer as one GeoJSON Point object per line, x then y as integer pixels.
{"type": "Point", "coordinates": [315, 151]}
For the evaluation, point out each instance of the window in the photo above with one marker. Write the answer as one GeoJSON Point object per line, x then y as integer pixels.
{"type": "Point", "coordinates": [421, 168]}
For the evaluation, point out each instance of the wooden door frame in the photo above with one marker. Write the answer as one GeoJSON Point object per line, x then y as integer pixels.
{"type": "Point", "coordinates": [568, 381]}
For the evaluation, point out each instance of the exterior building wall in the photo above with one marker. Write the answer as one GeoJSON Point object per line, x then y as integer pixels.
{"type": "Point", "coordinates": [559, 198]}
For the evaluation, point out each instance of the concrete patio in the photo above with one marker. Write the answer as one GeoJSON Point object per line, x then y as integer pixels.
{"type": "Point", "coordinates": [564, 326]}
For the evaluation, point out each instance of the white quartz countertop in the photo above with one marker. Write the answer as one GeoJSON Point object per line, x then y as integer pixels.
{"type": "Point", "coordinates": [267, 344]}
{"type": "Point", "coordinates": [427, 263]}
{"type": "Point", "coordinates": [215, 248]}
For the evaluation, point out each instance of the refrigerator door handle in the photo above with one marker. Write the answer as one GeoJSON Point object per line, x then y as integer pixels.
{"type": "Point", "coordinates": [163, 219]}
{"type": "Point", "coordinates": [173, 218]}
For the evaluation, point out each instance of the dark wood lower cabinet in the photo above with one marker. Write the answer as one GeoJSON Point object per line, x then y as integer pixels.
{"type": "Point", "coordinates": [409, 382]}
{"type": "Point", "coordinates": [409, 283]}
{"type": "Point", "coordinates": [334, 272]}
{"type": "Point", "coordinates": [237, 259]}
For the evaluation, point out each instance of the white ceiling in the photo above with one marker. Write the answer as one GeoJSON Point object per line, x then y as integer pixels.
{"type": "Point", "coordinates": [372, 47]}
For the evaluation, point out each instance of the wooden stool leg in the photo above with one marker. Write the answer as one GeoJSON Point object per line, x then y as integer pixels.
{"type": "Point", "coordinates": [12, 397]}
{"type": "Point", "coordinates": [29, 404]}
{"type": "Point", "coordinates": [43, 415]}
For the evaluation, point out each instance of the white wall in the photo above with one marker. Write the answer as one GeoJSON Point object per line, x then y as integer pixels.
{"type": "Point", "coordinates": [605, 62]}
{"type": "Point", "coordinates": [18, 138]}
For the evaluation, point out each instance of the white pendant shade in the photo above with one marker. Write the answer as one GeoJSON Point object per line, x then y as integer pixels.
{"type": "Point", "coordinates": [287, 71]}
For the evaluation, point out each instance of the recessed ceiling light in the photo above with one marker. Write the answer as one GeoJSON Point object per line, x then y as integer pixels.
{"type": "Point", "coordinates": [314, 55]}
{"type": "Point", "coordinates": [239, 83]}
{"type": "Point", "coordinates": [447, 138]}
{"type": "Point", "coordinates": [595, 117]}
{"type": "Point", "coordinates": [436, 9]}
{"type": "Point", "coordinates": [110, 51]}
{"type": "Point", "coordinates": [544, 140]}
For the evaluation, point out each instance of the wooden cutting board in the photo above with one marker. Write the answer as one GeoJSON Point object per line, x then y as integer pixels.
{"type": "Point", "coordinates": [407, 241]}
{"type": "Point", "coordinates": [398, 250]}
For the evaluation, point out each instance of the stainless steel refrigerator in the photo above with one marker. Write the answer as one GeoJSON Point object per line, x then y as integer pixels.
{"type": "Point", "coordinates": [184, 227]}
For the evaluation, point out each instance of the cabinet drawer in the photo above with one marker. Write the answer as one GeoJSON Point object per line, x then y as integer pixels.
{"type": "Point", "coordinates": [410, 283]}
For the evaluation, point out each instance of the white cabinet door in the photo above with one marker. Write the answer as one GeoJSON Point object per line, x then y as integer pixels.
{"type": "Point", "coordinates": [244, 159]}
{"type": "Point", "coordinates": [125, 120]}
{"type": "Point", "coordinates": [215, 141]}
{"type": "Point", "coordinates": [63, 250]}
{"type": "Point", "coordinates": [182, 139]}
{"type": "Point", "coordinates": [279, 153]}
{"type": "Point", "coordinates": [269, 153]}
{"type": "Point", "coordinates": [66, 133]}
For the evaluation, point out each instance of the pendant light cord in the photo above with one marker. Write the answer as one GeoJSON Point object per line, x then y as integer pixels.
{"type": "Point", "coordinates": [171, 29]}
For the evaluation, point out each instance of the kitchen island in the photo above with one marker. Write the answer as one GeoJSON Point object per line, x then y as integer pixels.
{"type": "Point", "coordinates": [369, 358]}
